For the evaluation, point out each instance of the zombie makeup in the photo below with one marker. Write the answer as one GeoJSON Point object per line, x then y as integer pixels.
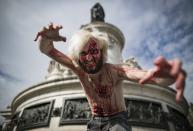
{"type": "Point", "coordinates": [90, 58]}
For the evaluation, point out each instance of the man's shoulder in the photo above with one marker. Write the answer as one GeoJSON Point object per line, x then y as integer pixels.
{"type": "Point", "coordinates": [113, 67]}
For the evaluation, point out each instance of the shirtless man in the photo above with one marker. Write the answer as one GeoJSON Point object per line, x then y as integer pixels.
{"type": "Point", "coordinates": [101, 81]}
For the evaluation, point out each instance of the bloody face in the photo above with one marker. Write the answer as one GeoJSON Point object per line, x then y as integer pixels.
{"type": "Point", "coordinates": [90, 58]}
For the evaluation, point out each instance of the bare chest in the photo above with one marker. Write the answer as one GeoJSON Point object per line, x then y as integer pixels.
{"type": "Point", "coordinates": [99, 86]}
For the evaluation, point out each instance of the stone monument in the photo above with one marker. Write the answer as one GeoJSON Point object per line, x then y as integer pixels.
{"type": "Point", "coordinates": [59, 103]}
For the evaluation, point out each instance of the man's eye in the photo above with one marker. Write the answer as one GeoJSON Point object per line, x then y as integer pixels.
{"type": "Point", "coordinates": [83, 54]}
{"type": "Point", "coordinates": [82, 57]}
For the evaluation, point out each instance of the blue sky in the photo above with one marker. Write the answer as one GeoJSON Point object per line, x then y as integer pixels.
{"type": "Point", "coordinates": [151, 28]}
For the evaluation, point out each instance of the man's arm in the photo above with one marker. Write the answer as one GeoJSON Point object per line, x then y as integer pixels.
{"type": "Point", "coordinates": [133, 74]}
{"type": "Point", "coordinates": [46, 38]}
{"type": "Point", "coordinates": [164, 73]}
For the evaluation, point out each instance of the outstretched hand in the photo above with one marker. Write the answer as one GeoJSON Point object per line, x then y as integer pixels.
{"type": "Point", "coordinates": [168, 69]}
{"type": "Point", "coordinates": [51, 32]}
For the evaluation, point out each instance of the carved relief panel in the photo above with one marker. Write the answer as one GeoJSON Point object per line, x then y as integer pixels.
{"type": "Point", "coordinates": [178, 119]}
{"type": "Point", "coordinates": [35, 116]}
{"type": "Point", "coordinates": [145, 113]}
{"type": "Point", "coordinates": [75, 111]}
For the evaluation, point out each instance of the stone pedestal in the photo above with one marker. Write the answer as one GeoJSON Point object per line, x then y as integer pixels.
{"type": "Point", "coordinates": [61, 105]}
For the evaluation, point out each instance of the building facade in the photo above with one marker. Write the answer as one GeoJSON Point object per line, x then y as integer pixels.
{"type": "Point", "coordinates": [59, 103]}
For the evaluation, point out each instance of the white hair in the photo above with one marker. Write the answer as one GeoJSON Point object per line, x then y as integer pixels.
{"type": "Point", "coordinates": [81, 38]}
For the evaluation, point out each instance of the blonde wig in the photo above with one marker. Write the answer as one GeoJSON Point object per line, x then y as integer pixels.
{"type": "Point", "coordinates": [81, 38]}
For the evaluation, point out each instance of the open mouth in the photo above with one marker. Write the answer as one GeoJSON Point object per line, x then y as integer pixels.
{"type": "Point", "coordinates": [91, 65]}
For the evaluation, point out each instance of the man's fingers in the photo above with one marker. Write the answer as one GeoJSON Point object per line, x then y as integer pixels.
{"type": "Point", "coordinates": [58, 27]}
{"type": "Point", "coordinates": [180, 85]}
{"type": "Point", "coordinates": [41, 33]}
{"type": "Point", "coordinates": [145, 79]}
{"type": "Point", "coordinates": [149, 75]}
{"type": "Point", "coordinates": [176, 67]}
{"type": "Point", "coordinates": [44, 29]}
{"type": "Point", "coordinates": [50, 26]}
{"type": "Point", "coordinates": [37, 36]}
{"type": "Point", "coordinates": [63, 38]}
{"type": "Point", "coordinates": [162, 62]}
{"type": "Point", "coordinates": [172, 68]}
{"type": "Point", "coordinates": [180, 81]}
{"type": "Point", "coordinates": [51, 32]}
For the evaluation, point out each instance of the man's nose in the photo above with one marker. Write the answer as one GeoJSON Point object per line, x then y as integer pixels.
{"type": "Point", "coordinates": [89, 57]}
